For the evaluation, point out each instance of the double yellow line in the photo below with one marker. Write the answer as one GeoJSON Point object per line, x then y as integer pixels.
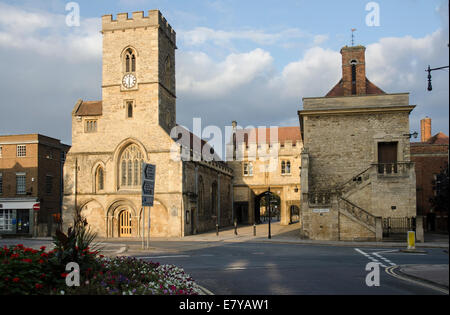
{"type": "Point", "coordinates": [391, 271]}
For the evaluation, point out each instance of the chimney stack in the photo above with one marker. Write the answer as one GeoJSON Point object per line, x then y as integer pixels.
{"type": "Point", "coordinates": [425, 129]}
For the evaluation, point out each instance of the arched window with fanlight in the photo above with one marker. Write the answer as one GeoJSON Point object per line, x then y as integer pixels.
{"type": "Point", "coordinates": [130, 61]}
{"type": "Point", "coordinates": [130, 167]}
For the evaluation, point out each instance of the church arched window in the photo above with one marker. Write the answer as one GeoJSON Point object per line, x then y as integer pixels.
{"type": "Point", "coordinates": [130, 165]}
{"type": "Point", "coordinates": [130, 61]}
{"type": "Point", "coordinates": [100, 179]}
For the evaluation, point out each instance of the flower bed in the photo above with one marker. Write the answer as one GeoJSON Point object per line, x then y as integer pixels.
{"type": "Point", "coordinates": [28, 271]}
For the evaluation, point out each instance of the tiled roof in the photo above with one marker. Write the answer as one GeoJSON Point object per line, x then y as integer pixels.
{"type": "Point", "coordinates": [371, 89]}
{"type": "Point", "coordinates": [440, 138]}
{"type": "Point", "coordinates": [183, 141]}
{"type": "Point", "coordinates": [284, 134]}
{"type": "Point", "coordinates": [92, 108]}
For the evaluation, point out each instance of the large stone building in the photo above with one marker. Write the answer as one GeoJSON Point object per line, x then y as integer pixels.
{"type": "Point", "coordinates": [357, 174]}
{"type": "Point", "coordinates": [263, 159]}
{"type": "Point", "coordinates": [30, 173]}
{"type": "Point", "coordinates": [430, 157]}
{"type": "Point", "coordinates": [133, 124]}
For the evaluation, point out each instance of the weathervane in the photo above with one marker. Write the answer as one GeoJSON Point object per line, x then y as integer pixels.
{"type": "Point", "coordinates": [353, 36]}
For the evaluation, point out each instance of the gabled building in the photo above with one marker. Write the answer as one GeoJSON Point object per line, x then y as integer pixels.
{"type": "Point", "coordinates": [357, 177]}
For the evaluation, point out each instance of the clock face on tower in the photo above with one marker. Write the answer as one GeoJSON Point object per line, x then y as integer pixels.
{"type": "Point", "coordinates": [129, 81]}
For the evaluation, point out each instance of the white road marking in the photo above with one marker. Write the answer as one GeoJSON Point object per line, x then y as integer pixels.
{"type": "Point", "coordinates": [385, 259]}
{"type": "Point", "coordinates": [370, 257]}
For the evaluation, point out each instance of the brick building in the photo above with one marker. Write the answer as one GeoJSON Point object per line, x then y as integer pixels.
{"type": "Point", "coordinates": [430, 157]}
{"type": "Point", "coordinates": [356, 175]}
{"type": "Point", "coordinates": [30, 172]}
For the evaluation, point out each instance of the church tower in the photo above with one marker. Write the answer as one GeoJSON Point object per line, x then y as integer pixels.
{"type": "Point", "coordinates": [139, 70]}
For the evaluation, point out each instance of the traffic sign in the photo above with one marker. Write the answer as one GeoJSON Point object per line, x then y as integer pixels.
{"type": "Point", "coordinates": [148, 184]}
{"type": "Point", "coordinates": [36, 206]}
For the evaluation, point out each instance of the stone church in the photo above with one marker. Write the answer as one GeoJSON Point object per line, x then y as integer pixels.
{"type": "Point", "coordinates": [130, 125]}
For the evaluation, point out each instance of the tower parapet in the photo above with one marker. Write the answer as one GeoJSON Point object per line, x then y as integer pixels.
{"type": "Point", "coordinates": [138, 20]}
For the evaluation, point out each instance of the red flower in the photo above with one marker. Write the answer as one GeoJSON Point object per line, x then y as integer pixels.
{"type": "Point", "coordinates": [14, 255]}
{"type": "Point", "coordinates": [20, 245]}
{"type": "Point", "coordinates": [43, 248]}
{"type": "Point", "coordinates": [16, 279]}
{"type": "Point", "coordinates": [27, 260]}
{"type": "Point", "coordinates": [39, 286]}
{"type": "Point", "coordinates": [41, 261]}
{"type": "Point", "coordinates": [44, 255]}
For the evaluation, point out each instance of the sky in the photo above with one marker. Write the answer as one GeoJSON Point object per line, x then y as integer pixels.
{"type": "Point", "coordinates": [246, 60]}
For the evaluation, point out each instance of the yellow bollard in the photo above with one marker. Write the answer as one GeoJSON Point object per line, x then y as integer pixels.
{"type": "Point", "coordinates": [411, 240]}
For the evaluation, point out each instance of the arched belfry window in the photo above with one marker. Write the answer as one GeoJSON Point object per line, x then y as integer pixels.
{"type": "Point", "coordinates": [130, 166]}
{"type": "Point", "coordinates": [100, 179]}
{"type": "Point", "coordinates": [130, 61]}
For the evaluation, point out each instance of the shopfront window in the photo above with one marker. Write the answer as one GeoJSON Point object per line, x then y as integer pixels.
{"type": "Point", "coordinates": [6, 220]}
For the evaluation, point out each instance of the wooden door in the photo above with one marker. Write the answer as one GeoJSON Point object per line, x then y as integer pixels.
{"type": "Point", "coordinates": [387, 157]}
{"type": "Point", "coordinates": [125, 224]}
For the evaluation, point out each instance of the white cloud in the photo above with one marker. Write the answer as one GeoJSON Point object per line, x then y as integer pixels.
{"type": "Point", "coordinates": [200, 75]}
{"type": "Point", "coordinates": [201, 35]}
{"type": "Point", "coordinates": [47, 34]}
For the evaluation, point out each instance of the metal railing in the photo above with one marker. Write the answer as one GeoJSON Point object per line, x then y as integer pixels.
{"type": "Point", "coordinates": [398, 226]}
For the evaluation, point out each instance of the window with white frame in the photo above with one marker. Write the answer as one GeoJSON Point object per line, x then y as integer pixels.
{"type": "Point", "coordinates": [21, 183]}
{"type": "Point", "coordinates": [248, 169]}
{"type": "Point", "coordinates": [6, 220]}
{"type": "Point", "coordinates": [21, 150]}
